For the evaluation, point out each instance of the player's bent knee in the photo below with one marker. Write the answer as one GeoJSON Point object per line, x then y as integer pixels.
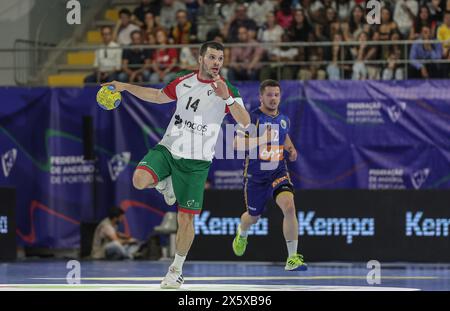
{"type": "Point", "coordinates": [142, 179]}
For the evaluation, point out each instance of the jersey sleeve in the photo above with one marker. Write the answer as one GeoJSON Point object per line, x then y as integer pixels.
{"type": "Point", "coordinates": [171, 89]}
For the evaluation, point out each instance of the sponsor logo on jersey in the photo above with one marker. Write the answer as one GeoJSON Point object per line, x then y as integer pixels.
{"type": "Point", "coordinates": [188, 86]}
{"type": "Point", "coordinates": [192, 126]}
{"type": "Point", "coordinates": [279, 180]}
{"type": "Point", "coordinates": [271, 153]}
{"type": "Point", "coordinates": [210, 92]}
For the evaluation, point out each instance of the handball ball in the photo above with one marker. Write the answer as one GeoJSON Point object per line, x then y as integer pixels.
{"type": "Point", "coordinates": [107, 98]}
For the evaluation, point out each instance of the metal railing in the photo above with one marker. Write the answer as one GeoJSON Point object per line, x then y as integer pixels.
{"type": "Point", "coordinates": [29, 55]}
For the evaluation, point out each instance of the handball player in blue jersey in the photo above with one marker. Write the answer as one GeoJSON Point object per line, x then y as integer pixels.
{"type": "Point", "coordinates": [266, 175]}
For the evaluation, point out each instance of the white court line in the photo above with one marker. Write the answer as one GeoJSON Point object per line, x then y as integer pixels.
{"type": "Point", "coordinates": [191, 287]}
{"type": "Point", "coordinates": [249, 278]}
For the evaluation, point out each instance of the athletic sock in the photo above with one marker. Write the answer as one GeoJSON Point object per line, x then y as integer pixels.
{"type": "Point", "coordinates": [292, 247]}
{"type": "Point", "coordinates": [178, 262]}
{"type": "Point", "coordinates": [242, 233]}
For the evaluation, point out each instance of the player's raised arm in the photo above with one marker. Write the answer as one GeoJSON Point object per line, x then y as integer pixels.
{"type": "Point", "coordinates": [149, 94]}
{"type": "Point", "coordinates": [238, 112]}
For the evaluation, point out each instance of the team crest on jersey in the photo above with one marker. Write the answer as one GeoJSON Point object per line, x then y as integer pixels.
{"type": "Point", "coordinates": [8, 161]}
{"type": "Point", "coordinates": [118, 163]}
{"type": "Point", "coordinates": [283, 124]}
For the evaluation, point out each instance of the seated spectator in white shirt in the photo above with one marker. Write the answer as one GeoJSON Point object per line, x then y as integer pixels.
{"type": "Point", "coordinates": [109, 243]}
{"type": "Point", "coordinates": [405, 13]}
{"type": "Point", "coordinates": [258, 11]}
{"type": "Point", "coordinates": [124, 28]}
{"type": "Point", "coordinates": [169, 9]}
{"type": "Point", "coordinates": [108, 59]}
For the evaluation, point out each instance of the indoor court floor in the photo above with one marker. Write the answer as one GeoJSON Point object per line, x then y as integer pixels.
{"type": "Point", "coordinates": [220, 276]}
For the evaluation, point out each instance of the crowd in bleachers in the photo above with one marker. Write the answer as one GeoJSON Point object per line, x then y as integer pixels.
{"type": "Point", "coordinates": [159, 23]}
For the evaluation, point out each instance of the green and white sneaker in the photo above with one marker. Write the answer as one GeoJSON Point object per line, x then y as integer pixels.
{"type": "Point", "coordinates": [295, 263]}
{"type": "Point", "coordinates": [239, 244]}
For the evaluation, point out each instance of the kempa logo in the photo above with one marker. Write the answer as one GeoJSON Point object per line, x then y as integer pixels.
{"type": "Point", "coordinates": [226, 225]}
{"type": "Point", "coordinates": [3, 224]}
{"type": "Point", "coordinates": [419, 177]}
{"type": "Point", "coordinates": [418, 226]}
{"type": "Point", "coordinates": [118, 163]}
{"type": "Point", "coordinates": [8, 161]}
{"type": "Point", "coordinates": [348, 227]}
{"type": "Point", "coordinates": [395, 111]}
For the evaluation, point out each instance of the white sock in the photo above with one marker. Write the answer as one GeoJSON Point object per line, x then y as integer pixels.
{"type": "Point", "coordinates": [242, 233]}
{"type": "Point", "coordinates": [292, 247]}
{"type": "Point", "coordinates": [178, 262]}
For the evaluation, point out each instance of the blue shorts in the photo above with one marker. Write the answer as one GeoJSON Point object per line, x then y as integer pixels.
{"type": "Point", "coordinates": [258, 190]}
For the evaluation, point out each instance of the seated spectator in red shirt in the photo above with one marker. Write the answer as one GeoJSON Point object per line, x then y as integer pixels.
{"type": "Point", "coordinates": [185, 31]}
{"type": "Point", "coordinates": [164, 61]}
{"type": "Point", "coordinates": [135, 61]}
{"type": "Point", "coordinates": [284, 14]}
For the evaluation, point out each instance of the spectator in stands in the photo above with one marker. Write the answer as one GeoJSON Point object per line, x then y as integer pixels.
{"type": "Point", "coordinates": [437, 8]}
{"type": "Point", "coordinates": [356, 25]}
{"type": "Point", "coordinates": [146, 6]}
{"type": "Point", "coordinates": [192, 8]}
{"type": "Point", "coordinates": [300, 30]}
{"type": "Point", "coordinates": [169, 11]}
{"type": "Point", "coordinates": [405, 13]}
{"type": "Point", "coordinates": [164, 60]}
{"type": "Point", "coordinates": [425, 51]}
{"type": "Point", "coordinates": [284, 14]}
{"type": "Point", "coordinates": [240, 19]}
{"type": "Point", "coordinates": [443, 35]}
{"type": "Point", "coordinates": [245, 60]}
{"type": "Point", "coordinates": [135, 61]}
{"type": "Point", "coordinates": [258, 11]}
{"type": "Point", "coordinates": [280, 54]}
{"type": "Point", "coordinates": [188, 58]}
{"type": "Point", "coordinates": [394, 70]}
{"type": "Point", "coordinates": [337, 53]}
{"type": "Point", "coordinates": [313, 71]}
{"type": "Point", "coordinates": [109, 243]}
{"type": "Point", "coordinates": [124, 28]}
{"type": "Point", "coordinates": [150, 26]}
{"type": "Point", "coordinates": [270, 31]}
{"type": "Point", "coordinates": [108, 59]}
{"type": "Point", "coordinates": [332, 25]}
{"type": "Point", "coordinates": [344, 9]}
{"type": "Point", "coordinates": [361, 54]}
{"type": "Point", "coordinates": [387, 24]}
{"type": "Point", "coordinates": [185, 31]}
{"type": "Point", "coordinates": [423, 19]}
{"type": "Point", "coordinates": [226, 11]}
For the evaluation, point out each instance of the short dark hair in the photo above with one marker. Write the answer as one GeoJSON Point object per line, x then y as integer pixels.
{"type": "Point", "coordinates": [125, 11]}
{"type": "Point", "coordinates": [115, 212]}
{"type": "Point", "coordinates": [211, 44]}
{"type": "Point", "coordinates": [268, 82]}
{"type": "Point", "coordinates": [135, 32]}
{"type": "Point", "coordinates": [105, 27]}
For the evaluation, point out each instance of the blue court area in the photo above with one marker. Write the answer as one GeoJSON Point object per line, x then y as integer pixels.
{"type": "Point", "coordinates": [146, 275]}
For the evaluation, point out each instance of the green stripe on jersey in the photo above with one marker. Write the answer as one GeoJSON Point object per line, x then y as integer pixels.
{"type": "Point", "coordinates": [233, 89]}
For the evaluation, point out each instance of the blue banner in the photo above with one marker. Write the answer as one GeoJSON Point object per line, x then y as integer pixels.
{"type": "Point", "coordinates": [349, 135]}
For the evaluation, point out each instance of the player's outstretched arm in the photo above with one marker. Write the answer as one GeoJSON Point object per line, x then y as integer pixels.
{"type": "Point", "coordinates": [244, 142]}
{"type": "Point", "coordinates": [145, 93]}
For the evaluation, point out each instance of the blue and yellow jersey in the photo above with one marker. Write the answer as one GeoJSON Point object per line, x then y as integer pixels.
{"type": "Point", "coordinates": [273, 151]}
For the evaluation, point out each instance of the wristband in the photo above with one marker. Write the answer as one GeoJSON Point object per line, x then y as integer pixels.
{"type": "Point", "coordinates": [229, 101]}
